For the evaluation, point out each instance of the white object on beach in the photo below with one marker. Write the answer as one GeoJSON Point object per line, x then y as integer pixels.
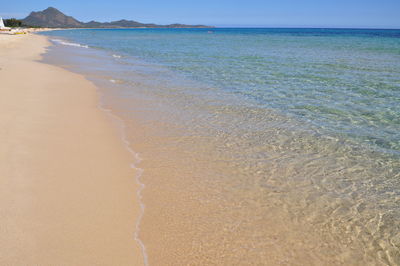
{"type": "Point", "coordinates": [2, 23]}
{"type": "Point", "coordinates": [2, 27]}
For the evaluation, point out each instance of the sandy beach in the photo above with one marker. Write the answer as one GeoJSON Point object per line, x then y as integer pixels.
{"type": "Point", "coordinates": [67, 191]}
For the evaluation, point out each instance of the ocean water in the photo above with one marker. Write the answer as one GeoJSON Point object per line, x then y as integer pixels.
{"type": "Point", "coordinates": [258, 146]}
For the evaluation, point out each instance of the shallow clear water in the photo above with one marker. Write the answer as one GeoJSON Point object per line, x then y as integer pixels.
{"type": "Point", "coordinates": [263, 146]}
{"type": "Point", "coordinates": [344, 80]}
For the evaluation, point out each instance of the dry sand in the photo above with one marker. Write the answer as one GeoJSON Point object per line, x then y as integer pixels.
{"type": "Point", "coordinates": [67, 191]}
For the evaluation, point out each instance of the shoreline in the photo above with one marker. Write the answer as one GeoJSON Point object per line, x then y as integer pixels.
{"type": "Point", "coordinates": [68, 183]}
{"type": "Point", "coordinates": [138, 171]}
{"type": "Point", "coordinates": [196, 213]}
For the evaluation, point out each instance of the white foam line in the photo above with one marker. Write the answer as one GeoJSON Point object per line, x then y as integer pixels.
{"type": "Point", "coordinates": [136, 157]}
{"type": "Point", "coordinates": [139, 172]}
{"type": "Point", "coordinates": [69, 43]}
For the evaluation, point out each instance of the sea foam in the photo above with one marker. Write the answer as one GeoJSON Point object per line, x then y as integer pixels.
{"type": "Point", "coordinates": [62, 42]}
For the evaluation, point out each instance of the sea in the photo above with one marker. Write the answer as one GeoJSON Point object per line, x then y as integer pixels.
{"type": "Point", "coordinates": [257, 146]}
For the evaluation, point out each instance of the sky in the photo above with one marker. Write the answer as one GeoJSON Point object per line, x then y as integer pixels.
{"type": "Point", "coordinates": [224, 13]}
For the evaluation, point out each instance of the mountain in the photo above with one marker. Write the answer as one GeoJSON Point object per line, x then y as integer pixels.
{"type": "Point", "coordinates": [53, 18]}
{"type": "Point", "coordinates": [115, 24]}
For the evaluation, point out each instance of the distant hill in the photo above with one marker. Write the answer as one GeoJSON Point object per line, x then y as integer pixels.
{"type": "Point", "coordinates": [53, 18]}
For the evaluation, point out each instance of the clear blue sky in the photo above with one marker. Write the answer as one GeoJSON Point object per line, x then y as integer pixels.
{"type": "Point", "coordinates": [278, 13]}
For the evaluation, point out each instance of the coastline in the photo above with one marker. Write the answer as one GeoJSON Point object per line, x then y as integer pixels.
{"type": "Point", "coordinates": [196, 213]}
{"type": "Point", "coordinates": [67, 187]}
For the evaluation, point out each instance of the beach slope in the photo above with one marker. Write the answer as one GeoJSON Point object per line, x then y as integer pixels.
{"type": "Point", "coordinates": [67, 191]}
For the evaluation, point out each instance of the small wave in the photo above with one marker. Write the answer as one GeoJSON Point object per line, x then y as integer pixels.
{"type": "Point", "coordinates": [69, 43]}
{"type": "Point", "coordinates": [116, 81]}
{"type": "Point", "coordinates": [116, 56]}
{"type": "Point", "coordinates": [139, 172]}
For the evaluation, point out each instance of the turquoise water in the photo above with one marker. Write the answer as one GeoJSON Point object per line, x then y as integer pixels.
{"type": "Point", "coordinates": [347, 81]}
{"type": "Point", "coordinates": [293, 134]}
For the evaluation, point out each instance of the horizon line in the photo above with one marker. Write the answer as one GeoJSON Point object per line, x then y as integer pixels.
{"type": "Point", "coordinates": [310, 27]}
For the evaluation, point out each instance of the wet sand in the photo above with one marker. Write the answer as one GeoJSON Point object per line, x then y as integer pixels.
{"type": "Point", "coordinates": [67, 190]}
